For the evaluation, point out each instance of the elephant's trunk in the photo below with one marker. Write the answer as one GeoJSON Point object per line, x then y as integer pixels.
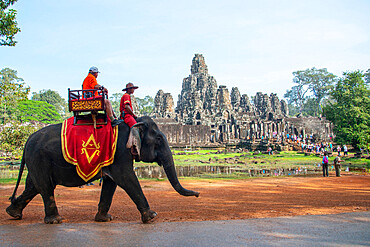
{"type": "Point", "coordinates": [169, 168]}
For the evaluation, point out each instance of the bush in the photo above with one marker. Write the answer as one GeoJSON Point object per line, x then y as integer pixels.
{"type": "Point", "coordinates": [14, 136]}
{"type": "Point", "coordinates": [41, 111]}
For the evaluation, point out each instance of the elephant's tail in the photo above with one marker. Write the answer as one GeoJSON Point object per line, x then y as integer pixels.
{"type": "Point", "coordinates": [21, 168]}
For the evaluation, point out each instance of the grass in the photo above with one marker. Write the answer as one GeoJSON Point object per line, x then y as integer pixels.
{"type": "Point", "coordinates": [9, 175]}
{"type": "Point", "coordinates": [4, 181]}
{"type": "Point", "coordinates": [245, 160]}
{"type": "Point", "coordinates": [210, 157]}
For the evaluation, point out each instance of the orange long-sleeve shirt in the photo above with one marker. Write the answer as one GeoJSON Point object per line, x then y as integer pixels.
{"type": "Point", "coordinates": [90, 82]}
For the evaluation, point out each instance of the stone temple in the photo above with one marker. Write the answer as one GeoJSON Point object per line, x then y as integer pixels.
{"type": "Point", "coordinates": [210, 115]}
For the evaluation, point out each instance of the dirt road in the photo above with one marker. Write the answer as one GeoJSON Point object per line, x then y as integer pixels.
{"type": "Point", "coordinates": [219, 200]}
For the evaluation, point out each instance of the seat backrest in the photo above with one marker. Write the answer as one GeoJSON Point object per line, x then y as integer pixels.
{"type": "Point", "coordinates": [78, 103]}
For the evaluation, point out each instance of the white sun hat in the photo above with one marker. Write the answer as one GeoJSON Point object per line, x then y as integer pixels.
{"type": "Point", "coordinates": [94, 70]}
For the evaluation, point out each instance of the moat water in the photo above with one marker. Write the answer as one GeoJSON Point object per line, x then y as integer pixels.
{"type": "Point", "coordinates": [10, 170]}
{"type": "Point", "coordinates": [219, 171]}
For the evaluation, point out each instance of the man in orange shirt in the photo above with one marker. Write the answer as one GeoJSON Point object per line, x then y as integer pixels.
{"type": "Point", "coordinates": [90, 82]}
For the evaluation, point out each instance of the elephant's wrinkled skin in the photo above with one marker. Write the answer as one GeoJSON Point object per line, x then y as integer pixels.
{"type": "Point", "coordinates": [47, 169]}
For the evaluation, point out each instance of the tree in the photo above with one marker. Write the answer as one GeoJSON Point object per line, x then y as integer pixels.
{"type": "Point", "coordinates": [320, 82]}
{"type": "Point", "coordinates": [293, 110]}
{"type": "Point", "coordinates": [115, 99]}
{"type": "Point", "coordinates": [53, 98]}
{"type": "Point", "coordinates": [146, 105]}
{"type": "Point", "coordinates": [310, 107]}
{"type": "Point", "coordinates": [349, 110]}
{"type": "Point", "coordinates": [367, 76]}
{"type": "Point", "coordinates": [8, 23]}
{"type": "Point", "coordinates": [317, 81]}
{"type": "Point", "coordinates": [297, 95]}
{"type": "Point", "coordinates": [13, 137]}
{"type": "Point", "coordinates": [40, 111]}
{"type": "Point", "coordinates": [12, 90]}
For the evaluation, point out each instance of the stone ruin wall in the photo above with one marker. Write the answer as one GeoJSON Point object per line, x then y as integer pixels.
{"type": "Point", "coordinates": [209, 115]}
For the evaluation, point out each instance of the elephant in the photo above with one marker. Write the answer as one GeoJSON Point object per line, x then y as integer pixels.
{"type": "Point", "coordinates": [47, 168]}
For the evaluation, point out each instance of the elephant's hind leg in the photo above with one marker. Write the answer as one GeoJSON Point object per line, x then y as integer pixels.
{"type": "Point", "coordinates": [45, 186]}
{"type": "Point", "coordinates": [18, 204]}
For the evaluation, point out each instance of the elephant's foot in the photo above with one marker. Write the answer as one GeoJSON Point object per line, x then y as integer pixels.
{"type": "Point", "coordinates": [15, 212]}
{"type": "Point", "coordinates": [148, 216]}
{"type": "Point", "coordinates": [101, 217]}
{"type": "Point", "coordinates": [55, 219]}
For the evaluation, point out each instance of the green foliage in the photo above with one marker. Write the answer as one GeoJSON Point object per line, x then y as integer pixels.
{"type": "Point", "coordinates": [14, 136]}
{"type": "Point", "coordinates": [296, 96]}
{"type": "Point", "coordinates": [146, 105]}
{"type": "Point", "coordinates": [293, 110]}
{"type": "Point", "coordinates": [115, 99]}
{"type": "Point", "coordinates": [53, 98]}
{"type": "Point", "coordinates": [349, 110]}
{"type": "Point", "coordinates": [12, 90]}
{"type": "Point", "coordinates": [367, 76]}
{"type": "Point", "coordinates": [317, 81]}
{"type": "Point", "coordinates": [310, 107]}
{"type": "Point", "coordinates": [8, 23]}
{"type": "Point", "coordinates": [41, 111]}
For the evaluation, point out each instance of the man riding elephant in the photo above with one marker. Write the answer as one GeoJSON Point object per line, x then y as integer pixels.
{"type": "Point", "coordinates": [127, 113]}
{"type": "Point", "coordinates": [90, 82]}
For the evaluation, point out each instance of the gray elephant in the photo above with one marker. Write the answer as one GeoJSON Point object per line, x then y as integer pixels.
{"type": "Point", "coordinates": [47, 169]}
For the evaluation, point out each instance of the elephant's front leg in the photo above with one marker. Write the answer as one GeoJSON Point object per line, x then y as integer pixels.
{"type": "Point", "coordinates": [131, 185]}
{"type": "Point", "coordinates": [107, 192]}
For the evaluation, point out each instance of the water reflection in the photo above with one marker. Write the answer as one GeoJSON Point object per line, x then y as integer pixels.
{"type": "Point", "coordinates": [9, 170]}
{"type": "Point", "coordinates": [142, 171]}
{"type": "Point", "coordinates": [202, 171]}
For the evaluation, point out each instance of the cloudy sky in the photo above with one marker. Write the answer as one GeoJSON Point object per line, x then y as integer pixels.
{"type": "Point", "coordinates": [252, 45]}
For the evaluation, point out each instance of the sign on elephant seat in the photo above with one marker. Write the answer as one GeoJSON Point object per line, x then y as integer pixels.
{"type": "Point", "coordinates": [88, 148]}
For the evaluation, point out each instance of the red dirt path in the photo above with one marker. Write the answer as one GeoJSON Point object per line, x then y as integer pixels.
{"type": "Point", "coordinates": [219, 200]}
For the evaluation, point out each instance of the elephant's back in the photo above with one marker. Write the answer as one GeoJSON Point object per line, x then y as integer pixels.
{"type": "Point", "coordinates": [45, 139]}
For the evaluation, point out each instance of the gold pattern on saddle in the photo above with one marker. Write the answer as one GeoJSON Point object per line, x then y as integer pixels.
{"type": "Point", "coordinates": [90, 146]}
{"type": "Point", "coordinates": [86, 105]}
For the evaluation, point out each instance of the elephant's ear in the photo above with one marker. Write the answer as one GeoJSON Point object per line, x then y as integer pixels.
{"type": "Point", "coordinates": [134, 140]}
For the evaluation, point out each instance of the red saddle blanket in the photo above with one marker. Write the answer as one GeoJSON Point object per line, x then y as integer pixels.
{"type": "Point", "coordinates": [87, 148]}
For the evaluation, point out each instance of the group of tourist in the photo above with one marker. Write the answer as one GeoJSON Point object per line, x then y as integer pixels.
{"type": "Point", "coordinates": [324, 147]}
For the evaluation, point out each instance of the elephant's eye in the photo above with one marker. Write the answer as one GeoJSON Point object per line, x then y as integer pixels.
{"type": "Point", "coordinates": [159, 140]}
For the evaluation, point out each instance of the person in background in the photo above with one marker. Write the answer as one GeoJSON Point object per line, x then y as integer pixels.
{"type": "Point", "coordinates": [345, 150]}
{"type": "Point", "coordinates": [337, 165]}
{"type": "Point", "coordinates": [325, 165]}
{"type": "Point", "coordinates": [90, 82]}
